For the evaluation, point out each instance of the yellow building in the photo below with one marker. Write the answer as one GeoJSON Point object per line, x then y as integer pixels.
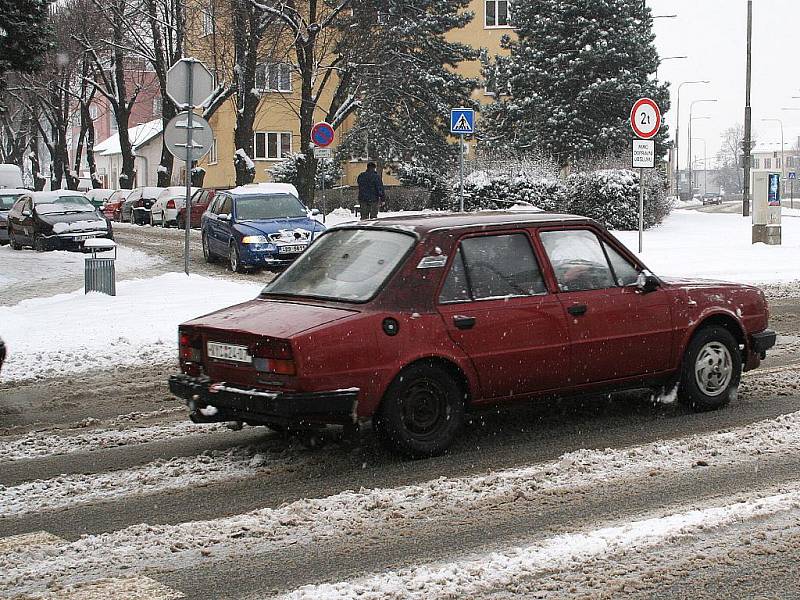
{"type": "Point", "coordinates": [277, 126]}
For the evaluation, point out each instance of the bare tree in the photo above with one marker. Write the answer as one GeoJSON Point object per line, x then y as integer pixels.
{"type": "Point", "coordinates": [316, 31]}
{"type": "Point", "coordinates": [731, 172]}
{"type": "Point", "coordinates": [115, 70]}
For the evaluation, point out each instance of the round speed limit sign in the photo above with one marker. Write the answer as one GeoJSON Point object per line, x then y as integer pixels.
{"type": "Point", "coordinates": [645, 118]}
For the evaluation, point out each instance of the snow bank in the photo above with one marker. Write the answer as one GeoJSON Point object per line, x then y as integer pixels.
{"type": "Point", "coordinates": [717, 246]}
{"type": "Point", "coordinates": [27, 266]}
{"type": "Point", "coordinates": [73, 333]}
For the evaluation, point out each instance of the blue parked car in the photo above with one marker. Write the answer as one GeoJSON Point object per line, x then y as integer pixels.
{"type": "Point", "coordinates": [258, 225]}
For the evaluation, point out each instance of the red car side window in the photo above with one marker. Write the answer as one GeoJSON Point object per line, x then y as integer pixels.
{"type": "Point", "coordinates": [578, 260]}
{"type": "Point", "coordinates": [493, 266]}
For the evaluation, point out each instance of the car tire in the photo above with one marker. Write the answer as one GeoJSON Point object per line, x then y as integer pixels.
{"type": "Point", "coordinates": [39, 244]}
{"type": "Point", "coordinates": [181, 224]}
{"type": "Point", "coordinates": [15, 245]}
{"type": "Point", "coordinates": [711, 371]}
{"type": "Point", "coordinates": [421, 412]}
{"type": "Point", "coordinates": [207, 255]}
{"type": "Point", "coordinates": [234, 259]}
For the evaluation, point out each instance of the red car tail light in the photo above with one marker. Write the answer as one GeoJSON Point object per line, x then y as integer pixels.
{"type": "Point", "coordinates": [190, 347]}
{"type": "Point", "coordinates": [274, 356]}
{"type": "Point", "coordinates": [170, 203]}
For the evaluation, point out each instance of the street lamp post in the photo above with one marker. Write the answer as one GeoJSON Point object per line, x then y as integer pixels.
{"type": "Point", "coordinates": [783, 155]}
{"type": "Point", "coordinates": [660, 60]}
{"type": "Point", "coordinates": [691, 118]}
{"type": "Point", "coordinates": [705, 163]}
{"type": "Point", "coordinates": [678, 130]}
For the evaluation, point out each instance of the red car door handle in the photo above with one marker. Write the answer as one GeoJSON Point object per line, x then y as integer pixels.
{"type": "Point", "coordinates": [463, 322]}
{"type": "Point", "coordinates": [577, 309]}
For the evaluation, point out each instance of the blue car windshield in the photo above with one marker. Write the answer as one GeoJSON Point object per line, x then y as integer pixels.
{"type": "Point", "coordinates": [269, 206]}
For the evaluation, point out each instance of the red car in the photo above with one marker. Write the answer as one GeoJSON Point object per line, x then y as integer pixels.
{"type": "Point", "coordinates": [112, 209]}
{"type": "Point", "coordinates": [200, 201]}
{"type": "Point", "coordinates": [413, 321]}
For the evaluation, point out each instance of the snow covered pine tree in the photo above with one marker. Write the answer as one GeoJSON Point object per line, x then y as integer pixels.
{"type": "Point", "coordinates": [409, 83]}
{"type": "Point", "coordinates": [572, 76]}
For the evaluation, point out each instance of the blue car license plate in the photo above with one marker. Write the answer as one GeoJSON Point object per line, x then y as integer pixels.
{"type": "Point", "coordinates": [291, 249]}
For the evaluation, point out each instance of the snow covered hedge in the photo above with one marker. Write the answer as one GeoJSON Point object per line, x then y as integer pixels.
{"type": "Point", "coordinates": [610, 196]}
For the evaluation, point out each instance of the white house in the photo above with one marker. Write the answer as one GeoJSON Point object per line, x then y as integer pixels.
{"type": "Point", "coordinates": [146, 145]}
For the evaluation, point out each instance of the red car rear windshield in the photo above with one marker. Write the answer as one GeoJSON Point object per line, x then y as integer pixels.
{"type": "Point", "coordinates": [346, 264]}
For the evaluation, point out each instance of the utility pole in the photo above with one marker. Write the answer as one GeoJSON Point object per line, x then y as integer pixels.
{"type": "Point", "coordinates": [747, 116]}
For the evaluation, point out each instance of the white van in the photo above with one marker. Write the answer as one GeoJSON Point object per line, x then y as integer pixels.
{"type": "Point", "coordinates": [10, 176]}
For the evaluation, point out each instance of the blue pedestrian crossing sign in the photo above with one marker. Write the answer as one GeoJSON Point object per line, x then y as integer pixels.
{"type": "Point", "coordinates": [462, 121]}
{"type": "Point", "coordinates": [792, 175]}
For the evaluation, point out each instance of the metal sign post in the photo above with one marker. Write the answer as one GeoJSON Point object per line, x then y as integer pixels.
{"type": "Point", "coordinates": [792, 177]}
{"type": "Point", "coordinates": [187, 207]}
{"type": "Point", "coordinates": [189, 84]}
{"type": "Point", "coordinates": [322, 134]}
{"type": "Point", "coordinates": [646, 123]}
{"type": "Point", "coordinates": [462, 122]}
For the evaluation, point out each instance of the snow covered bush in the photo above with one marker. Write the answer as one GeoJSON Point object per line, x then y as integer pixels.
{"type": "Point", "coordinates": [611, 196]}
{"type": "Point", "coordinates": [413, 174]}
{"type": "Point", "coordinates": [287, 171]}
{"type": "Point", "coordinates": [492, 190]}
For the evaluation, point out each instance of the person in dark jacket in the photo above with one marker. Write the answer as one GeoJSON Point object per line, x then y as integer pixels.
{"type": "Point", "coordinates": [370, 192]}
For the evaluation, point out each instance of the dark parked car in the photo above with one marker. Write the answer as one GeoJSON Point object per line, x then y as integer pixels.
{"type": "Point", "coordinates": [58, 220]}
{"type": "Point", "coordinates": [414, 321]}
{"type": "Point", "coordinates": [200, 202]}
{"type": "Point", "coordinates": [711, 198]}
{"type": "Point", "coordinates": [8, 196]}
{"type": "Point", "coordinates": [136, 208]}
{"type": "Point", "coordinates": [2, 354]}
{"type": "Point", "coordinates": [259, 225]}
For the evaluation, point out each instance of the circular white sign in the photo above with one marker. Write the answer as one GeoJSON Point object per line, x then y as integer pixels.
{"type": "Point", "coordinates": [645, 118]}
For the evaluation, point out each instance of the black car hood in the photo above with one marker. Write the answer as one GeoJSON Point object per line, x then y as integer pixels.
{"type": "Point", "coordinates": [73, 221]}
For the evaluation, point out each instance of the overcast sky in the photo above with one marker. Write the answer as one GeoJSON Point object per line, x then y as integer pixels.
{"type": "Point", "coordinates": [713, 34]}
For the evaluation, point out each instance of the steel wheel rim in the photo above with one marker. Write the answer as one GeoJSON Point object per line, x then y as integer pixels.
{"type": "Point", "coordinates": [234, 258]}
{"type": "Point", "coordinates": [424, 409]}
{"type": "Point", "coordinates": [713, 369]}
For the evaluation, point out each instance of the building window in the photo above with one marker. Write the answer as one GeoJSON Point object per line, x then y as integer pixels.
{"type": "Point", "coordinates": [206, 22]}
{"type": "Point", "coordinates": [274, 77]}
{"type": "Point", "coordinates": [777, 163]}
{"type": "Point", "coordinates": [272, 145]}
{"type": "Point", "coordinates": [93, 111]}
{"type": "Point", "coordinates": [157, 106]}
{"type": "Point", "coordinates": [498, 13]}
{"type": "Point", "coordinates": [212, 154]}
{"type": "Point", "coordinates": [790, 162]}
{"type": "Point", "coordinates": [112, 121]}
{"type": "Point", "coordinates": [767, 163]}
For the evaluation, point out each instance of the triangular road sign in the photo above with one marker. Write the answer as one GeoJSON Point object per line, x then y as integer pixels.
{"type": "Point", "coordinates": [462, 125]}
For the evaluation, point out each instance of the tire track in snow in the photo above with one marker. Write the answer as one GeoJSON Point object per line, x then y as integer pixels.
{"type": "Point", "coordinates": [353, 512]}
{"type": "Point", "coordinates": [66, 491]}
{"type": "Point", "coordinates": [39, 445]}
{"type": "Point", "coordinates": [477, 576]}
